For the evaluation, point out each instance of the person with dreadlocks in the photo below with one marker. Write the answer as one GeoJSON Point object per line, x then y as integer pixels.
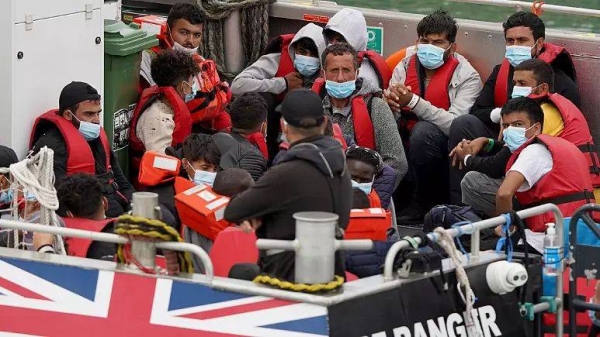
{"type": "Point", "coordinates": [371, 175]}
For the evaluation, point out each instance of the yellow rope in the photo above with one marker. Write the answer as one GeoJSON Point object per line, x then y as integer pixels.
{"type": "Point", "coordinates": [129, 225]}
{"type": "Point", "coordinates": [300, 287]}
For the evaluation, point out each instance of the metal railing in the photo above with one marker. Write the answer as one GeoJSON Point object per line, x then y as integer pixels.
{"type": "Point", "coordinates": [519, 5]}
{"type": "Point", "coordinates": [474, 228]}
{"type": "Point", "coordinates": [112, 238]}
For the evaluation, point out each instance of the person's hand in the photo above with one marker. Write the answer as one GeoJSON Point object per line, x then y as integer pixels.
{"type": "Point", "coordinates": [249, 226]}
{"type": "Point", "coordinates": [398, 96]}
{"type": "Point", "coordinates": [294, 81]}
{"type": "Point", "coordinates": [499, 232]}
{"type": "Point", "coordinates": [41, 239]}
{"type": "Point", "coordinates": [477, 144]}
{"type": "Point", "coordinates": [459, 153]}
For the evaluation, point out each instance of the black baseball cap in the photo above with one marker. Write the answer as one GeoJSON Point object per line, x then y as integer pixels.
{"type": "Point", "coordinates": [76, 92]}
{"type": "Point", "coordinates": [302, 108]}
{"type": "Point", "coordinates": [7, 156]}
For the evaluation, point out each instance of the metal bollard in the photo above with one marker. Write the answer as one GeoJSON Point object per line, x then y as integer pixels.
{"type": "Point", "coordinates": [145, 204]}
{"type": "Point", "coordinates": [315, 246]}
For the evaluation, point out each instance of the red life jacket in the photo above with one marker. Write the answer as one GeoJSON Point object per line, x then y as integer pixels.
{"type": "Point", "coordinates": [78, 246]}
{"type": "Point", "coordinates": [436, 92]}
{"type": "Point", "coordinates": [258, 139]}
{"type": "Point", "coordinates": [156, 168]}
{"type": "Point", "coordinates": [374, 200]}
{"type": "Point", "coordinates": [281, 44]}
{"type": "Point", "coordinates": [369, 223]}
{"type": "Point", "coordinates": [80, 158]}
{"type": "Point", "coordinates": [577, 131]}
{"type": "Point", "coordinates": [552, 54]}
{"type": "Point", "coordinates": [181, 117]}
{"type": "Point", "coordinates": [384, 73]}
{"type": "Point", "coordinates": [364, 133]}
{"type": "Point", "coordinates": [567, 185]}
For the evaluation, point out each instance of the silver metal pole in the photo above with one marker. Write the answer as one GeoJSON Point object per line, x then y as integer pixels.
{"type": "Point", "coordinates": [545, 7]}
{"type": "Point", "coordinates": [143, 249]}
{"type": "Point", "coordinates": [235, 61]}
{"type": "Point", "coordinates": [209, 270]}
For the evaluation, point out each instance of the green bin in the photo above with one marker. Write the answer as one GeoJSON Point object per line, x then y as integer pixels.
{"type": "Point", "coordinates": [123, 46]}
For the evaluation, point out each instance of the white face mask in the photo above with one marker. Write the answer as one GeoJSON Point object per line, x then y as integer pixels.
{"type": "Point", "coordinates": [179, 47]}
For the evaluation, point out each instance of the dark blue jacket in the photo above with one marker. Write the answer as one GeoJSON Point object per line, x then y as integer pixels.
{"type": "Point", "coordinates": [384, 185]}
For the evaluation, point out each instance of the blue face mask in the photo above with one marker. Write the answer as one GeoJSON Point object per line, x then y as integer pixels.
{"type": "Point", "coordinates": [191, 95]}
{"type": "Point", "coordinates": [365, 187]}
{"type": "Point", "coordinates": [203, 177]}
{"type": "Point", "coordinates": [517, 54]}
{"type": "Point", "coordinates": [89, 131]}
{"type": "Point", "coordinates": [430, 56]}
{"type": "Point", "coordinates": [6, 197]}
{"type": "Point", "coordinates": [340, 90]}
{"type": "Point", "coordinates": [521, 91]}
{"type": "Point", "coordinates": [306, 65]}
{"type": "Point", "coordinates": [514, 137]}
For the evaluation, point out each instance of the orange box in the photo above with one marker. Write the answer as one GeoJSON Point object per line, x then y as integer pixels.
{"type": "Point", "coordinates": [368, 223]}
{"type": "Point", "coordinates": [153, 24]}
{"type": "Point", "coordinates": [202, 210]}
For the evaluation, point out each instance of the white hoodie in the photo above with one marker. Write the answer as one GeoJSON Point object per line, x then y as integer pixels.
{"type": "Point", "coordinates": [351, 24]}
{"type": "Point", "coordinates": [260, 76]}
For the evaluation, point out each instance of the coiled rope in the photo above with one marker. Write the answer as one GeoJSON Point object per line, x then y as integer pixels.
{"type": "Point", "coordinates": [254, 28]}
{"type": "Point", "coordinates": [300, 287]}
{"type": "Point", "coordinates": [132, 226]}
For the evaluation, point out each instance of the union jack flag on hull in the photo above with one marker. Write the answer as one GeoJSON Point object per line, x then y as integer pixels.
{"type": "Point", "coordinates": [44, 299]}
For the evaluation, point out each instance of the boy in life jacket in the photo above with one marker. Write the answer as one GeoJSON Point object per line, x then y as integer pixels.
{"type": "Point", "coordinates": [542, 169]}
{"type": "Point", "coordinates": [355, 104]}
{"type": "Point", "coordinates": [349, 26]}
{"type": "Point", "coordinates": [290, 62]}
{"type": "Point", "coordinates": [371, 175]}
{"type": "Point", "coordinates": [80, 144]}
{"type": "Point", "coordinates": [524, 35]}
{"type": "Point", "coordinates": [161, 118]}
{"type": "Point", "coordinates": [429, 90]}
{"type": "Point", "coordinates": [210, 95]}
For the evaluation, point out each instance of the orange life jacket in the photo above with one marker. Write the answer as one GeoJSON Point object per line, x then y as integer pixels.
{"type": "Point", "coordinates": [80, 158]}
{"type": "Point", "coordinates": [79, 246]}
{"type": "Point", "coordinates": [156, 168]}
{"type": "Point", "coordinates": [552, 54]}
{"type": "Point", "coordinates": [567, 185]}
{"type": "Point", "coordinates": [364, 133]}
{"type": "Point", "coordinates": [369, 223]}
{"type": "Point", "coordinates": [435, 93]}
{"type": "Point", "coordinates": [384, 73]}
{"type": "Point", "coordinates": [200, 208]}
{"type": "Point", "coordinates": [374, 200]}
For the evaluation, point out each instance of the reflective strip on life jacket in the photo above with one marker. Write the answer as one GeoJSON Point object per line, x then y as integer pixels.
{"type": "Point", "coordinates": [78, 246]}
{"type": "Point", "coordinates": [364, 134]}
{"type": "Point", "coordinates": [384, 73]}
{"type": "Point", "coordinates": [156, 168]}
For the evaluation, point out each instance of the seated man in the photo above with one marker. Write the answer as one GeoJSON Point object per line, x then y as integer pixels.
{"type": "Point", "coordinates": [231, 182]}
{"type": "Point", "coordinates": [349, 26]}
{"type": "Point", "coordinates": [311, 176]}
{"type": "Point", "coordinates": [184, 33]}
{"type": "Point", "coordinates": [370, 175]}
{"type": "Point", "coordinates": [291, 62]}
{"type": "Point", "coordinates": [430, 89]}
{"type": "Point", "coordinates": [83, 206]}
{"type": "Point", "coordinates": [249, 125]}
{"type": "Point", "coordinates": [353, 103]}
{"type": "Point", "coordinates": [524, 33]}
{"type": "Point", "coordinates": [161, 118]}
{"type": "Point", "coordinates": [80, 145]}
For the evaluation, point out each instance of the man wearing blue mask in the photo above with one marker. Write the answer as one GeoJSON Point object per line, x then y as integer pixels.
{"type": "Point", "coordinates": [291, 61]}
{"type": "Point", "coordinates": [355, 104]}
{"type": "Point", "coordinates": [80, 144]}
{"type": "Point", "coordinates": [430, 88]}
{"type": "Point", "coordinates": [524, 35]}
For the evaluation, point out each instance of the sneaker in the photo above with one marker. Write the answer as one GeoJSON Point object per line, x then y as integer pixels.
{"type": "Point", "coordinates": [413, 214]}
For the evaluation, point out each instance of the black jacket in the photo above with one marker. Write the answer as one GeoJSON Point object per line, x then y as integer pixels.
{"type": "Point", "coordinates": [237, 152]}
{"type": "Point", "coordinates": [484, 104]}
{"type": "Point", "coordinates": [493, 164]}
{"type": "Point", "coordinates": [311, 176]}
{"type": "Point", "coordinates": [118, 200]}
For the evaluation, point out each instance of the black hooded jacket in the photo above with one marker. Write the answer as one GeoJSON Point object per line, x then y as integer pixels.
{"type": "Point", "coordinates": [311, 176]}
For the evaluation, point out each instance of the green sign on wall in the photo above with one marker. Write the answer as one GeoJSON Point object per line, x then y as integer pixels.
{"type": "Point", "coordinates": [375, 39]}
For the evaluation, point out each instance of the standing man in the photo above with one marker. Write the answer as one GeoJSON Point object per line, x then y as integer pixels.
{"type": "Point", "coordinates": [311, 176]}
{"type": "Point", "coordinates": [80, 145]}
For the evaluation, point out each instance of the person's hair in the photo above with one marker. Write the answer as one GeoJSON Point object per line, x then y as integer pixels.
{"type": "Point", "coordinates": [232, 181]}
{"type": "Point", "coordinates": [360, 200]}
{"type": "Point", "coordinates": [248, 111]}
{"type": "Point", "coordinates": [526, 19]}
{"type": "Point", "coordinates": [338, 49]}
{"type": "Point", "coordinates": [170, 67]}
{"type": "Point", "coordinates": [80, 194]}
{"type": "Point", "coordinates": [365, 155]}
{"type": "Point", "coordinates": [62, 110]}
{"type": "Point", "coordinates": [542, 71]}
{"type": "Point", "coordinates": [198, 146]}
{"type": "Point", "coordinates": [308, 44]}
{"type": "Point", "coordinates": [191, 13]}
{"type": "Point", "coordinates": [526, 105]}
{"type": "Point", "coordinates": [438, 22]}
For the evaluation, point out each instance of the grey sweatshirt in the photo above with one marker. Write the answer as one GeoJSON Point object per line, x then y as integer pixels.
{"type": "Point", "coordinates": [260, 76]}
{"type": "Point", "coordinates": [387, 139]}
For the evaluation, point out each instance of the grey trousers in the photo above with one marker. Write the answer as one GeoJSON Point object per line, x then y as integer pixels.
{"type": "Point", "coordinates": [479, 191]}
{"type": "Point", "coordinates": [191, 236]}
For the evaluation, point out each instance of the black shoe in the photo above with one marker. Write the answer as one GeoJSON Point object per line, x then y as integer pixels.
{"type": "Point", "coordinates": [411, 215]}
